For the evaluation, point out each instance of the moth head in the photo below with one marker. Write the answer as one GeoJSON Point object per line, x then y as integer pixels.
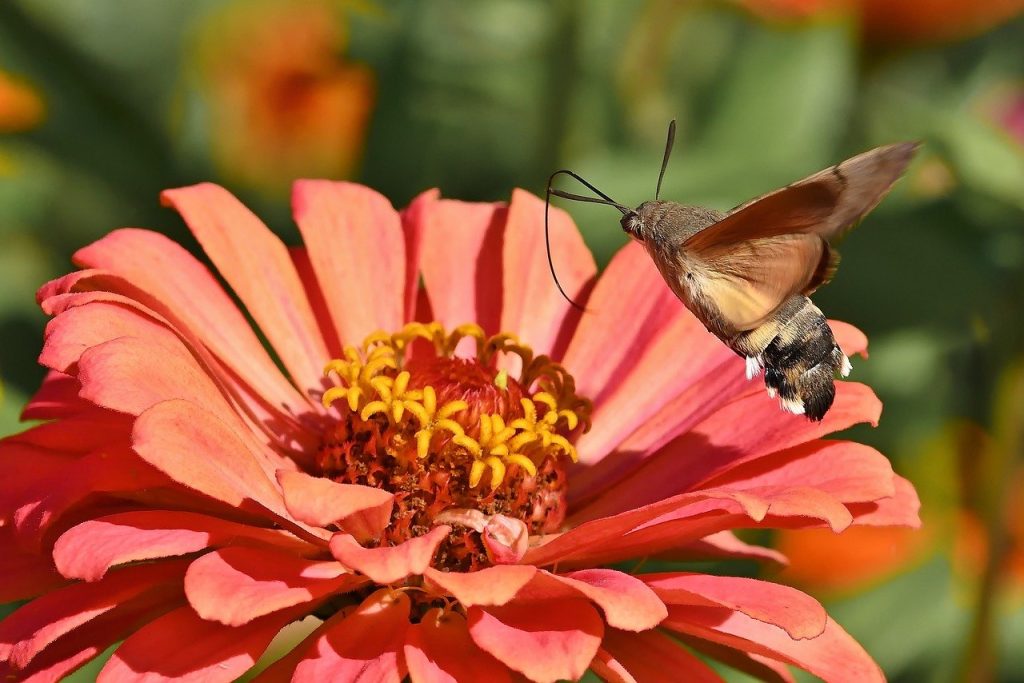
{"type": "Point", "coordinates": [638, 222]}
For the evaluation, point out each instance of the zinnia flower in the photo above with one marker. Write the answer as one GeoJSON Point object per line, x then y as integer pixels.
{"type": "Point", "coordinates": [449, 501]}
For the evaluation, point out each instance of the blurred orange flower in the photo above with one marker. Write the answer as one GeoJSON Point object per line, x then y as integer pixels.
{"type": "Point", "coordinates": [282, 101]}
{"type": "Point", "coordinates": [902, 21]}
{"type": "Point", "coordinates": [21, 106]}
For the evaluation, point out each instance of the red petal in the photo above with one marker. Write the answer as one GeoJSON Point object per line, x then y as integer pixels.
{"type": "Point", "coordinates": [32, 627]}
{"type": "Point", "coordinates": [362, 511]}
{"type": "Point", "coordinates": [652, 656]}
{"type": "Point", "coordinates": [357, 248]}
{"type": "Point", "coordinates": [491, 586]}
{"type": "Point", "coordinates": [412, 227]}
{"type": "Point", "coordinates": [631, 371]}
{"type": "Point", "coordinates": [798, 613]}
{"type": "Point", "coordinates": [170, 434]}
{"type": "Point", "coordinates": [546, 641]}
{"type": "Point", "coordinates": [88, 550]}
{"type": "Point", "coordinates": [626, 601]}
{"type": "Point", "coordinates": [56, 398]}
{"type": "Point", "coordinates": [902, 509]}
{"type": "Point", "coordinates": [390, 563]}
{"type": "Point", "coordinates": [851, 340]}
{"type": "Point", "coordinates": [182, 290]}
{"type": "Point", "coordinates": [181, 646]}
{"type": "Point", "coordinates": [532, 306]}
{"type": "Point", "coordinates": [738, 432]}
{"type": "Point", "coordinates": [257, 266]}
{"type": "Point", "coordinates": [461, 261]}
{"type": "Point", "coordinates": [833, 655]}
{"type": "Point", "coordinates": [26, 573]}
{"type": "Point", "coordinates": [365, 646]}
{"type": "Point", "coordinates": [236, 585]}
{"type": "Point", "coordinates": [439, 650]}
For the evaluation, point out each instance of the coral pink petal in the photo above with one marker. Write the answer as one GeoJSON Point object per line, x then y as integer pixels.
{"type": "Point", "coordinates": [184, 291]}
{"type": "Point", "coordinates": [412, 227]}
{"type": "Point", "coordinates": [87, 551]}
{"type": "Point", "coordinates": [631, 371]}
{"type": "Point", "coordinates": [849, 471]}
{"type": "Point", "coordinates": [724, 545]}
{"type": "Point", "coordinates": [738, 432]}
{"type": "Point", "coordinates": [235, 585]}
{"type": "Point", "coordinates": [357, 249]}
{"type": "Point", "coordinates": [532, 306]}
{"type": "Point", "coordinates": [832, 656]}
{"type": "Point", "coordinates": [439, 650]}
{"type": "Point", "coordinates": [491, 586]}
{"type": "Point", "coordinates": [902, 509]}
{"type": "Point", "coordinates": [34, 626]}
{"type": "Point", "coordinates": [390, 563]}
{"type": "Point", "coordinates": [362, 511]}
{"type": "Point", "coordinates": [181, 646]}
{"type": "Point", "coordinates": [626, 601]}
{"type": "Point", "coordinates": [851, 340]}
{"type": "Point", "coordinates": [200, 452]}
{"type": "Point", "coordinates": [328, 331]}
{"type": "Point", "coordinates": [56, 398]}
{"type": "Point", "coordinates": [760, 667]}
{"type": "Point", "coordinates": [545, 641]}
{"type": "Point", "coordinates": [366, 646]}
{"type": "Point", "coordinates": [800, 615]}
{"type": "Point", "coordinates": [461, 261]}
{"type": "Point", "coordinates": [651, 657]}
{"type": "Point", "coordinates": [256, 264]}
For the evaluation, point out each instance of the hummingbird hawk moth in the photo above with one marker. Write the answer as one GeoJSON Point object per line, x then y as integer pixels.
{"type": "Point", "coordinates": [746, 274]}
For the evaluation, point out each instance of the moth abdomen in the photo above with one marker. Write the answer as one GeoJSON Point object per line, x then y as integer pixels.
{"type": "Point", "coordinates": [800, 359]}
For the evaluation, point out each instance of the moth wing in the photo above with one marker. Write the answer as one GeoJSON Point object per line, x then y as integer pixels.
{"type": "Point", "coordinates": [749, 281]}
{"type": "Point", "coordinates": [826, 203]}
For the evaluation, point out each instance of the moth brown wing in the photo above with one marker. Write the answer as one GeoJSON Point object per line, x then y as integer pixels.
{"type": "Point", "coordinates": [827, 203]}
{"type": "Point", "coordinates": [748, 281]}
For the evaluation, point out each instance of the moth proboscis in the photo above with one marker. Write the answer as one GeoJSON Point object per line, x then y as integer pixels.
{"type": "Point", "coordinates": [747, 273]}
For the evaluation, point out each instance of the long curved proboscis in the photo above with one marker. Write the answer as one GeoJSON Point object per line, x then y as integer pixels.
{"type": "Point", "coordinates": [668, 152]}
{"type": "Point", "coordinates": [603, 199]}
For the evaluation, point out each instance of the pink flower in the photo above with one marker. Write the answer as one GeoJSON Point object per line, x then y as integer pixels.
{"type": "Point", "coordinates": [485, 454]}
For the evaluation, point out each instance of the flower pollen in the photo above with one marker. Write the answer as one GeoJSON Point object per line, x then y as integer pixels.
{"type": "Point", "coordinates": [452, 433]}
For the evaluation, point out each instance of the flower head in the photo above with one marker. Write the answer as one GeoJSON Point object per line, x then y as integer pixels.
{"type": "Point", "coordinates": [440, 479]}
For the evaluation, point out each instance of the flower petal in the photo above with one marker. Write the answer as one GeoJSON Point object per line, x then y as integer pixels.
{"type": "Point", "coordinates": [412, 227]}
{"type": "Point", "coordinates": [182, 646]}
{"type": "Point", "coordinates": [88, 550]}
{"type": "Point", "coordinates": [362, 511]}
{"type": "Point", "coordinates": [461, 261]}
{"type": "Point", "coordinates": [170, 434]}
{"type": "Point", "coordinates": [800, 615]}
{"type": "Point", "coordinates": [439, 650]}
{"type": "Point", "coordinates": [357, 248]}
{"type": "Point", "coordinates": [652, 656]}
{"type": "Point", "coordinates": [56, 398]}
{"type": "Point", "coordinates": [235, 585]}
{"type": "Point", "coordinates": [364, 646]}
{"type": "Point", "coordinates": [257, 266]}
{"type": "Point", "coordinates": [833, 655]}
{"type": "Point", "coordinates": [491, 586]}
{"type": "Point", "coordinates": [760, 667]}
{"type": "Point", "coordinates": [626, 601]}
{"type": "Point", "coordinates": [851, 340]}
{"type": "Point", "coordinates": [532, 307]}
{"type": "Point", "coordinates": [902, 509]}
{"type": "Point", "coordinates": [725, 545]}
{"type": "Point", "coordinates": [545, 642]}
{"type": "Point", "coordinates": [741, 431]}
{"type": "Point", "coordinates": [389, 564]}
{"type": "Point", "coordinates": [34, 626]}
{"type": "Point", "coordinates": [183, 291]}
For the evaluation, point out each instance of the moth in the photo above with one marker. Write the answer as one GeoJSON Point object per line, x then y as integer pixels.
{"type": "Point", "coordinates": [746, 274]}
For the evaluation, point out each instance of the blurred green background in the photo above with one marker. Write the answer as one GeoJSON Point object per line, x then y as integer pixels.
{"type": "Point", "coordinates": [103, 104]}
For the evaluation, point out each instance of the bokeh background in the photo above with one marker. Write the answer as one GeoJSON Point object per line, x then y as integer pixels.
{"type": "Point", "coordinates": [104, 103]}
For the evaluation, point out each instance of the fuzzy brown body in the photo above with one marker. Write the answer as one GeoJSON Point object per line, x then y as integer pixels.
{"type": "Point", "coordinates": [794, 344]}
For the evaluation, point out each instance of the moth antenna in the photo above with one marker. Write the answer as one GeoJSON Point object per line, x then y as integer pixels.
{"type": "Point", "coordinates": [604, 199]}
{"type": "Point", "coordinates": [668, 152]}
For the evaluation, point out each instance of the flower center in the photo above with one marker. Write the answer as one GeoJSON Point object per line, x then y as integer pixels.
{"type": "Point", "coordinates": [456, 439]}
